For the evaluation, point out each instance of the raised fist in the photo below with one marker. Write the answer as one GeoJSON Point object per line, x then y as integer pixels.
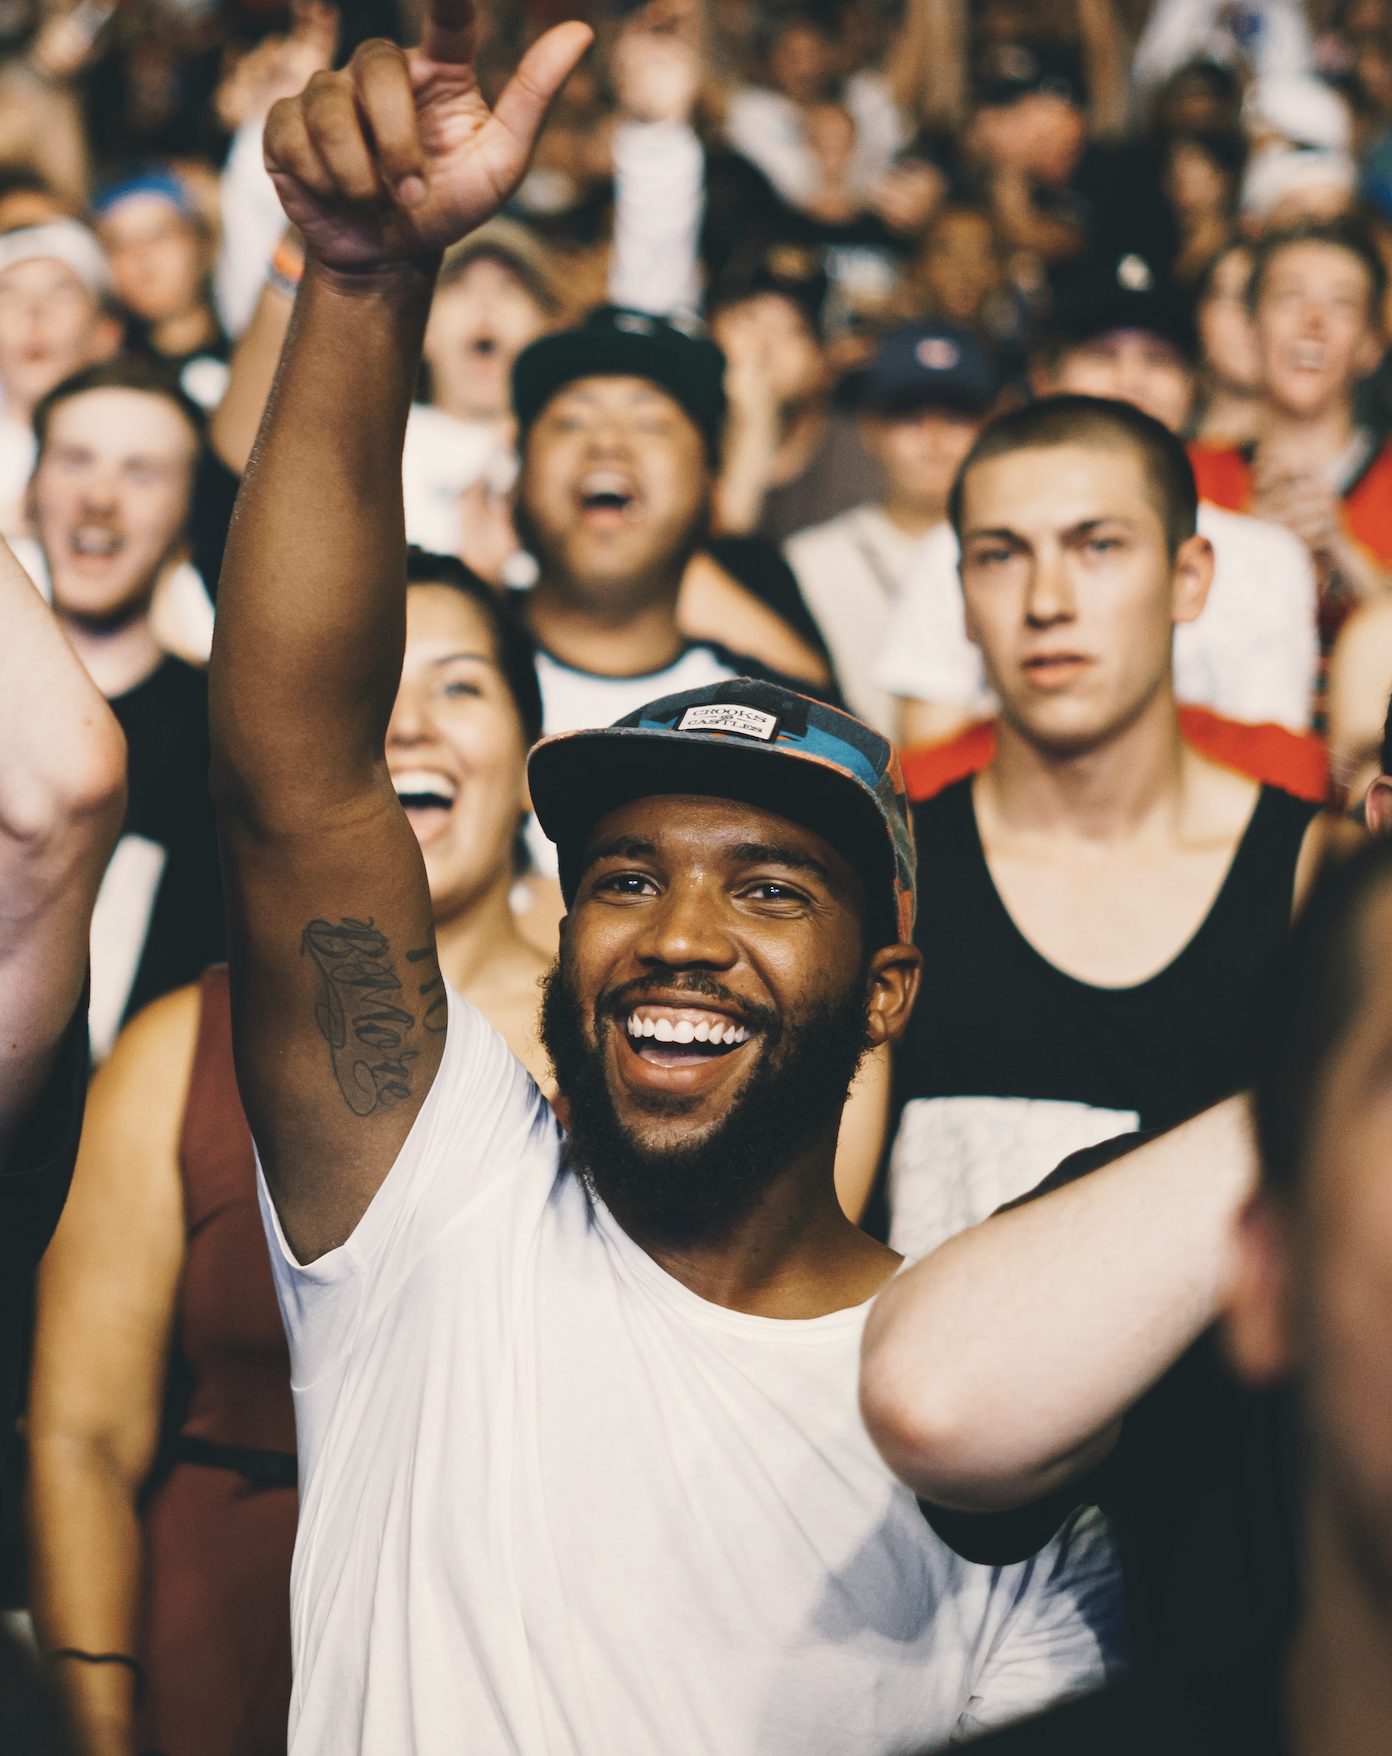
{"type": "Point", "coordinates": [398, 156]}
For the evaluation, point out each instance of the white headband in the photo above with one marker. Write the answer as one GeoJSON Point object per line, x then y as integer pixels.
{"type": "Point", "coordinates": [61, 240]}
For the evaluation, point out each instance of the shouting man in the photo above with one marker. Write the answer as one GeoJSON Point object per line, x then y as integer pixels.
{"type": "Point", "coordinates": [581, 1465]}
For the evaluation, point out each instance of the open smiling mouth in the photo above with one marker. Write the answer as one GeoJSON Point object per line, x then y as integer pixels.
{"type": "Point", "coordinates": [424, 792]}
{"type": "Point", "coordinates": [606, 491]}
{"type": "Point", "coordinates": [96, 541]}
{"type": "Point", "coordinates": [683, 1036]}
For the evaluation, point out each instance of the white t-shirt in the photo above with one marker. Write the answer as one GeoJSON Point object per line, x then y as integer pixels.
{"type": "Point", "coordinates": [17, 450]}
{"type": "Point", "coordinates": [442, 457]}
{"type": "Point", "coordinates": [553, 1502]}
{"type": "Point", "coordinates": [574, 701]}
{"type": "Point", "coordinates": [849, 570]}
{"type": "Point", "coordinates": [1251, 655]}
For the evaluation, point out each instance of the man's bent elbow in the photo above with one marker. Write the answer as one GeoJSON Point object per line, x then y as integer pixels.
{"type": "Point", "coordinates": [916, 1421]}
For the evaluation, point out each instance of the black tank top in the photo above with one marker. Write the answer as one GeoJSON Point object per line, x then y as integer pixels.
{"type": "Point", "coordinates": [1010, 1064]}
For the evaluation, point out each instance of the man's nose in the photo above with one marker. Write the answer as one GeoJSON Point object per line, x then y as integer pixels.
{"type": "Point", "coordinates": [1049, 597]}
{"type": "Point", "coordinates": [686, 928]}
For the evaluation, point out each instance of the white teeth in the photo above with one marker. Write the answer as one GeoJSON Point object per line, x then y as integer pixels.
{"type": "Point", "coordinates": [683, 1032]}
{"type": "Point", "coordinates": [648, 1027]}
{"type": "Point", "coordinates": [662, 1030]}
{"type": "Point", "coordinates": [635, 1025]}
{"type": "Point", "coordinates": [702, 1032]}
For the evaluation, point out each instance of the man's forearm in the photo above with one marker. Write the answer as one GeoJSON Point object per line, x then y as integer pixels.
{"type": "Point", "coordinates": [993, 1367]}
{"type": "Point", "coordinates": [315, 555]}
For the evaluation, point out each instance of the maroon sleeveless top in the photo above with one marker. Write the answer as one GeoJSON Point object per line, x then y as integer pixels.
{"type": "Point", "coordinates": [215, 1615]}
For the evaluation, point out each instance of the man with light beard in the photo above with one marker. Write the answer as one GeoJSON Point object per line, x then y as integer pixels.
{"type": "Point", "coordinates": [110, 497]}
{"type": "Point", "coordinates": [580, 1460]}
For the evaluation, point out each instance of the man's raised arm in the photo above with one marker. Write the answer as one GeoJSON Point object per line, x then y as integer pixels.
{"type": "Point", "coordinates": [62, 793]}
{"type": "Point", "coordinates": [338, 1002]}
{"type": "Point", "coordinates": [994, 1372]}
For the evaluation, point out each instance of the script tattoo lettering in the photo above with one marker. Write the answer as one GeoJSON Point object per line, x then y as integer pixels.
{"type": "Point", "coordinates": [358, 1015]}
{"type": "Point", "coordinates": [437, 1008]}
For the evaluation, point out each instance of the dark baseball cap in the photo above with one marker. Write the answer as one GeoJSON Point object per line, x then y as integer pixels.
{"type": "Point", "coordinates": [927, 365]}
{"type": "Point", "coordinates": [1018, 70]}
{"type": "Point", "coordinates": [787, 269]}
{"type": "Point", "coordinates": [1129, 294]}
{"type": "Point", "coordinates": [616, 343]}
{"type": "Point", "coordinates": [752, 742]}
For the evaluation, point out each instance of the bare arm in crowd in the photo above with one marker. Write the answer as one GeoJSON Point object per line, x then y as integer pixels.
{"type": "Point", "coordinates": [997, 1370]}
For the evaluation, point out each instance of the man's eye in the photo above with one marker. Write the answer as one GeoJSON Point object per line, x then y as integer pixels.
{"type": "Point", "coordinates": [773, 890]}
{"type": "Point", "coordinates": [458, 687]}
{"type": "Point", "coordinates": [990, 557]}
{"type": "Point", "coordinates": [1102, 545]}
{"type": "Point", "coordinates": [628, 884]}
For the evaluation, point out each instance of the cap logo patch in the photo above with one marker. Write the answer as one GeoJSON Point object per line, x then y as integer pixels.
{"type": "Point", "coordinates": [634, 322]}
{"type": "Point", "coordinates": [723, 716]}
{"type": "Point", "coordinates": [1134, 273]}
{"type": "Point", "coordinates": [937, 353]}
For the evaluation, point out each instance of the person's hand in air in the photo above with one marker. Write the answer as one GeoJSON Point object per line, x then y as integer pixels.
{"type": "Point", "coordinates": [397, 156]}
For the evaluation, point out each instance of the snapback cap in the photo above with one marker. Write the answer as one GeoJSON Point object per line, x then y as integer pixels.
{"type": "Point", "coordinates": [616, 343]}
{"type": "Point", "coordinates": [927, 365]}
{"type": "Point", "coordinates": [1127, 295]}
{"type": "Point", "coordinates": [752, 742]}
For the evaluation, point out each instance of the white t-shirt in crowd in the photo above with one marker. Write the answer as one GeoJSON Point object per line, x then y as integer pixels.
{"type": "Point", "coordinates": [552, 1503]}
{"type": "Point", "coordinates": [849, 570]}
{"type": "Point", "coordinates": [767, 128]}
{"type": "Point", "coordinates": [442, 457]}
{"type": "Point", "coordinates": [17, 450]}
{"type": "Point", "coordinates": [1251, 655]}
{"type": "Point", "coordinates": [574, 701]}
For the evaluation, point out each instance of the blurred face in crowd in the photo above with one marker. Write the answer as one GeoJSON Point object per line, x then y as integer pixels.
{"type": "Point", "coordinates": [921, 451]}
{"type": "Point", "coordinates": [1070, 590]}
{"type": "Point", "coordinates": [615, 488]}
{"type": "Point", "coordinates": [1225, 325]}
{"type": "Point", "coordinates": [772, 332]}
{"type": "Point", "coordinates": [1314, 1293]}
{"type": "Point", "coordinates": [960, 265]}
{"type": "Point", "coordinates": [456, 750]}
{"type": "Point", "coordinates": [50, 326]}
{"type": "Point", "coordinates": [479, 322]}
{"type": "Point", "coordinates": [1041, 134]}
{"type": "Point", "coordinates": [110, 497]}
{"type": "Point", "coordinates": [1316, 332]}
{"type": "Point", "coordinates": [803, 63]}
{"type": "Point", "coordinates": [1130, 365]}
{"type": "Point", "coordinates": [1197, 186]}
{"type": "Point", "coordinates": [27, 207]}
{"type": "Point", "coordinates": [158, 257]}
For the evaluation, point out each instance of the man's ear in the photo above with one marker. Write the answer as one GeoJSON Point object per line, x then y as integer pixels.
{"type": "Point", "coordinates": [895, 972]}
{"type": "Point", "coordinates": [1256, 1321]}
{"type": "Point", "coordinates": [1377, 805]}
{"type": "Point", "coordinates": [1193, 575]}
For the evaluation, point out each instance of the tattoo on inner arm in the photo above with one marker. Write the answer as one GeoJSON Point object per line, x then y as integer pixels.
{"type": "Point", "coordinates": [359, 1013]}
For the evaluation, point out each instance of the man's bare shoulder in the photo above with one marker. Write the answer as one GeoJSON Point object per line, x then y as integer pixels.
{"type": "Point", "coordinates": [1216, 803]}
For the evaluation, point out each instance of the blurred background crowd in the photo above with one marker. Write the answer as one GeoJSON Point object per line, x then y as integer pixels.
{"type": "Point", "coordinates": [894, 217]}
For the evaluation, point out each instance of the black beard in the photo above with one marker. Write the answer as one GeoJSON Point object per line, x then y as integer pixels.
{"type": "Point", "coordinates": [700, 1190]}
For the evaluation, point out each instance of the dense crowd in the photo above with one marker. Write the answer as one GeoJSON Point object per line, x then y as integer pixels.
{"type": "Point", "coordinates": [695, 786]}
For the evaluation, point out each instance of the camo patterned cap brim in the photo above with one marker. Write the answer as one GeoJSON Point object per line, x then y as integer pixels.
{"type": "Point", "coordinates": [748, 741]}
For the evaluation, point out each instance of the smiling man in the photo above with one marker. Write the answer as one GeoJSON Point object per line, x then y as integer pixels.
{"type": "Point", "coordinates": [1316, 297]}
{"type": "Point", "coordinates": [1098, 899]}
{"type": "Point", "coordinates": [110, 503]}
{"type": "Point", "coordinates": [581, 1463]}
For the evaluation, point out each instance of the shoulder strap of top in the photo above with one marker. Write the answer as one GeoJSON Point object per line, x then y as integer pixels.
{"type": "Point", "coordinates": [1262, 875]}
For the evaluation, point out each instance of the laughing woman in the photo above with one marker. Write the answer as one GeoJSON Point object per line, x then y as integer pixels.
{"type": "Point", "coordinates": [162, 1435]}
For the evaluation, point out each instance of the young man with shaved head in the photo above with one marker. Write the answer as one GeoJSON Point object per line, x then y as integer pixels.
{"type": "Point", "coordinates": [581, 1466]}
{"type": "Point", "coordinates": [1097, 903]}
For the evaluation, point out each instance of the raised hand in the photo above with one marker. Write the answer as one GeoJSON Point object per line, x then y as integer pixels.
{"type": "Point", "coordinates": [398, 156]}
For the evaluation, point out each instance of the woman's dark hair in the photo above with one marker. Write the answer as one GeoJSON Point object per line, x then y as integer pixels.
{"type": "Point", "coordinates": [512, 644]}
{"type": "Point", "coordinates": [1314, 993]}
{"type": "Point", "coordinates": [1204, 289]}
